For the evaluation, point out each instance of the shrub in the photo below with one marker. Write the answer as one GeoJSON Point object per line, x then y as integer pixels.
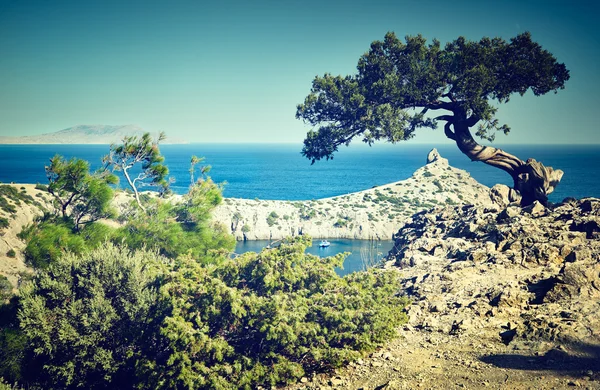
{"type": "Point", "coordinates": [4, 223]}
{"type": "Point", "coordinates": [340, 223]}
{"type": "Point", "coordinates": [182, 228]}
{"type": "Point", "coordinates": [50, 239]}
{"type": "Point", "coordinates": [91, 318]}
{"type": "Point", "coordinates": [268, 318]}
{"type": "Point", "coordinates": [245, 229]}
{"type": "Point", "coordinates": [11, 253]}
{"type": "Point", "coordinates": [5, 289]}
{"type": "Point", "coordinates": [41, 187]}
{"type": "Point", "coordinates": [115, 319]}
{"type": "Point", "coordinates": [272, 218]}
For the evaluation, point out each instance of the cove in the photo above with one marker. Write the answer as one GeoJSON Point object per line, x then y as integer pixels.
{"type": "Point", "coordinates": [360, 251]}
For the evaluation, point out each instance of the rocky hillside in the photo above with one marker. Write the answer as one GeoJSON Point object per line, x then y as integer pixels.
{"type": "Point", "coordinates": [373, 213]}
{"type": "Point", "coordinates": [19, 205]}
{"type": "Point", "coordinates": [524, 274]}
{"type": "Point", "coordinates": [502, 297]}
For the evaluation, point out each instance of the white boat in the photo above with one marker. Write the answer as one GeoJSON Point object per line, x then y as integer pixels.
{"type": "Point", "coordinates": [324, 244]}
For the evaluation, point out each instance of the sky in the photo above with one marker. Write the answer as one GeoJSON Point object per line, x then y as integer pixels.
{"type": "Point", "coordinates": [234, 71]}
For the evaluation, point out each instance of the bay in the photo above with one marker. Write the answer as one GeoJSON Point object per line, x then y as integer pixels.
{"type": "Point", "coordinates": [359, 251]}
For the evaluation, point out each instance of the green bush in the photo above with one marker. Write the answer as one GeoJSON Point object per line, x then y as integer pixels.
{"type": "Point", "coordinates": [268, 318]}
{"type": "Point", "coordinates": [340, 223]}
{"type": "Point", "coordinates": [90, 319]}
{"type": "Point", "coordinates": [11, 253]}
{"type": "Point", "coordinates": [50, 239]}
{"type": "Point", "coordinates": [116, 319]}
{"type": "Point", "coordinates": [41, 187]}
{"type": "Point", "coordinates": [4, 223]}
{"type": "Point", "coordinates": [272, 218]}
{"type": "Point", "coordinates": [182, 228]}
{"type": "Point", "coordinates": [245, 229]}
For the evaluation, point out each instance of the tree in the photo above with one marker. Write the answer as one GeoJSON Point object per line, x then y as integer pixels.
{"type": "Point", "coordinates": [203, 170]}
{"type": "Point", "coordinates": [79, 195]}
{"type": "Point", "coordinates": [398, 83]}
{"type": "Point", "coordinates": [180, 228]}
{"type": "Point", "coordinates": [144, 151]}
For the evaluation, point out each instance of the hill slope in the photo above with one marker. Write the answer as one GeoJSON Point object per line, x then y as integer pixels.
{"type": "Point", "coordinates": [84, 134]}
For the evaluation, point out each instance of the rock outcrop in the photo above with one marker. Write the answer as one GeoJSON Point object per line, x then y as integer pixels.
{"type": "Point", "coordinates": [527, 275]}
{"type": "Point", "coordinates": [373, 213]}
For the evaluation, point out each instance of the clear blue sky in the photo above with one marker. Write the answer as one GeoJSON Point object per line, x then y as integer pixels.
{"type": "Point", "coordinates": [234, 71]}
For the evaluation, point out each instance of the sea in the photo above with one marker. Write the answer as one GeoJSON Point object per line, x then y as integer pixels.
{"type": "Point", "coordinates": [279, 172]}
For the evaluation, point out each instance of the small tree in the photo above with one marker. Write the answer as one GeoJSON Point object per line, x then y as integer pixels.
{"type": "Point", "coordinates": [397, 84]}
{"type": "Point", "coordinates": [203, 170]}
{"type": "Point", "coordinates": [133, 151]}
{"type": "Point", "coordinates": [79, 195]}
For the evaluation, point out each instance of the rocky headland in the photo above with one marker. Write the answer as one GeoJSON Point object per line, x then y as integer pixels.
{"type": "Point", "coordinates": [374, 213]}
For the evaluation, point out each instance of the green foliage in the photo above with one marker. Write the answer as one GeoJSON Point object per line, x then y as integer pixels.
{"type": "Point", "coordinates": [437, 183]}
{"type": "Point", "coordinates": [272, 218]}
{"type": "Point", "coordinates": [112, 318]}
{"type": "Point", "coordinates": [306, 213]}
{"type": "Point", "coordinates": [89, 319]}
{"type": "Point", "coordinates": [5, 289]}
{"type": "Point", "coordinates": [41, 187]}
{"type": "Point", "coordinates": [204, 170]}
{"type": "Point", "coordinates": [141, 151]}
{"type": "Point", "coordinates": [12, 353]}
{"type": "Point", "coordinates": [4, 222]}
{"type": "Point", "coordinates": [48, 240]}
{"type": "Point", "coordinates": [79, 195]}
{"type": "Point", "coordinates": [11, 253]}
{"type": "Point", "coordinates": [269, 317]}
{"type": "Point", "coordinates": [398, 83]}
{"type": "Point", "coordinates": [181, 228]}
{"type": "Point", "coordinates": [340, 223]}
{"type": "Point", "coordinates": [7, 386]}
{"type": "Point", "coordinates": [245, 229]}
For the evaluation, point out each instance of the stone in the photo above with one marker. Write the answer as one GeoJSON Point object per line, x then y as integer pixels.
{"type": "Point", "coordinates": [502, 195]}
{"type": "Point", "coordinates": [535, 209]}
{"type": "Point", "coordinates": [433, 156]}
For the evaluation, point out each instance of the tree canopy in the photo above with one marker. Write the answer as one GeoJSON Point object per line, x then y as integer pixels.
{"type": "Point", "coordinates": [79, 195]}
{"type": "Point", "coordinates": [399, 83]}
{"type": "Point", "coordinates": [143, 152]}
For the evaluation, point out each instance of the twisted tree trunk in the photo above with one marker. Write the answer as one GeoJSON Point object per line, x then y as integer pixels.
{"type": "Point", "coordinates": [531, 178]}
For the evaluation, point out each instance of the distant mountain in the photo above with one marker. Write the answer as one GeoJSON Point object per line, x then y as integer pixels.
{"type": "Point", "coordinates": [85, 134]}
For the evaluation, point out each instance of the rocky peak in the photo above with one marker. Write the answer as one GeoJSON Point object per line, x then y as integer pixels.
{"type": "Point", "coordinates": [434, 156]}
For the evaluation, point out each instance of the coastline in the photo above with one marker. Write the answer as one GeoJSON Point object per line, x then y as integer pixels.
{"type": "Point", "coordinates": [374, 213]}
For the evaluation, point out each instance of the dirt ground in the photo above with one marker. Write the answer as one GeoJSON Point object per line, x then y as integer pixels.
{"type": "Point", "coordinates": [424, 360]}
